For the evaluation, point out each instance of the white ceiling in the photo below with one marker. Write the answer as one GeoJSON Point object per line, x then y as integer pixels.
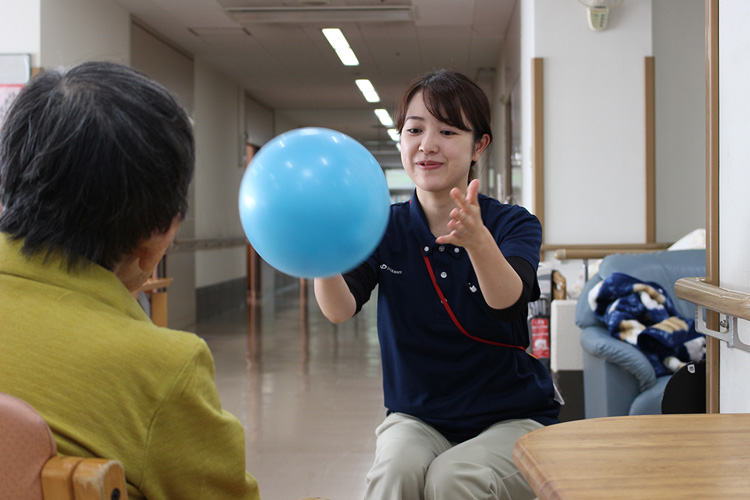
{"type": "Point", "coordinates": [288, 66]}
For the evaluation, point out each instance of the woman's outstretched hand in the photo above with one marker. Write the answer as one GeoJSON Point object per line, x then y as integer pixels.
{"type": "Point", "coordinates": [500, 284]}
{"type": "Point", "coordinates": [466, 218]}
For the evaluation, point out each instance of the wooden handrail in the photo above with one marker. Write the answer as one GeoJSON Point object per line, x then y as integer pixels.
{"type": "Point", "coordinates": [153, 284]}
{"type": "Point", "coordinates": [601, 251]}
{"type": "Point", "coordinates": [187, 244]}
{"type": "Point", "coordinates": [712, 297]}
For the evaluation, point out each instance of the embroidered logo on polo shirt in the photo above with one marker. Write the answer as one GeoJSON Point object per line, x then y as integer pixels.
{"type": "Point", "coordinates": [389, 269]}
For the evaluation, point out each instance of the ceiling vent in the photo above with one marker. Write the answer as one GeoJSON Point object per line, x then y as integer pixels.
{"type": "Point", "coordinates": [321, 14]}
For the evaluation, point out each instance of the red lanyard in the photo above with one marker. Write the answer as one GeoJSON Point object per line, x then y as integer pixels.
{"type": "Point", "coordinates": [444, 301]}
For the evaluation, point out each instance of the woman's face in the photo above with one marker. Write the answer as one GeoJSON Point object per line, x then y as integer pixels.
{"type": "Point", "coordinates": [435, 155]}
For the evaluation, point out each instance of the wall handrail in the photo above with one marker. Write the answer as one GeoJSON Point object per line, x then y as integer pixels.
{"type": "Point", "coordinates": [187, 245]}
{"type": "Point", "coordinates": [727, 302]}
{"type": "Point", "coordinates": [712, 297]}
{"type": "Point", "coordinates": [601, 251]}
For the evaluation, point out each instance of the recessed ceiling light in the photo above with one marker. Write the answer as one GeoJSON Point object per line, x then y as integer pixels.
{"type": "Point", "coordinates": [339, 43]}
{"type": "Point", "coordinates": [336, 38]}
{"type": "Point", "coordinates": [384, 117]}
{"type": "Point", "coordinates": [347, 57]}
{"type": "Point", "coordinates": [365, 86]}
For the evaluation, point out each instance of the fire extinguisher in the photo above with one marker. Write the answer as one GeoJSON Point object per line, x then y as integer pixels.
{"type": "Point", "coordinates": [539, 321]}
{"type": "Point", "coordinates": [540, 337]}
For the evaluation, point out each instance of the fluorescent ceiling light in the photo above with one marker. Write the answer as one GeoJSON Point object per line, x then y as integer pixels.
{"type": "Point", "coordinates": [338, 41]}
{"type": "Point", "coordinates": [322, 14]}
{"type": "Point", "coordinates": [336, 38]}
{"type": "Point", "coordinates": [347, 57]}
{"type": "Point", "coordinates": [365, 86]}
{"type": "Point", "coordinates": [393, 133]}
{"type": "Point", "coordinates": [384, 117]}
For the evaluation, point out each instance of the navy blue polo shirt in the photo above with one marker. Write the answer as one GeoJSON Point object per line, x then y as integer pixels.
{"type": "Point", "coordinates": [433, 371]}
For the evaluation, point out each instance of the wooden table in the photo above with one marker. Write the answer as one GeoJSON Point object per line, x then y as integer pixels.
{"type": "Point", "coordinates": [649, 457]}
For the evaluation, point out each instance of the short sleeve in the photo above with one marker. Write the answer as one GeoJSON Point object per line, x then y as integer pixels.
{"type": "Point", "coordinates": [361, 282]}
{"type": "Point", "coordinates": [518, 234]}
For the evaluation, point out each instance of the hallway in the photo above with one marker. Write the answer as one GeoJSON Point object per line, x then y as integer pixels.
{"type": "Point", "coordinates": [308, 392]}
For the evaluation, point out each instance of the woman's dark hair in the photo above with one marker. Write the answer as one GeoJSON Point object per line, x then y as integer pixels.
{"type": "Point", "coordinates": [92, 162]}
{"type": "Point", "coordinates": [449, 96]}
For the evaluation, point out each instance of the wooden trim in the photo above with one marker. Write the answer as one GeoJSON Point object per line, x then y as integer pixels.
{"type": "Point", "coordinates": [712, 197]}
{"type": "Point", "coordinates": [506, 190]}
{"type": "Point", "coordinates": [253, 276]}
{"type": "Point", "coordinates": [537, 141]}
{"type": "Point", "coordinates": [159, 315]}
{"type": "Point", "coordinates": [254, 284]}
{"type": "Point", "coordinates": [566, 252]}
{"type": "Point", "coordinates": [650, 127]}
{"type": "Point", "coordinates": [156, 291]}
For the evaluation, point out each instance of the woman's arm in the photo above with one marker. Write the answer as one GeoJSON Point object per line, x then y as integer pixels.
{"type": "Point", "coordinates": [334, 298]}
{"type": "Point", "coordinates": [501, 286]}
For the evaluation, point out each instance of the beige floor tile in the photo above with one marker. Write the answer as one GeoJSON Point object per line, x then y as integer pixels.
{"type": "Point", "coordinates": [308, 392]}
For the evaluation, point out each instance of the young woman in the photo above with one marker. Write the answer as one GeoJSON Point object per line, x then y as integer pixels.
{"type": "Point", "coordinates": [455, 272]}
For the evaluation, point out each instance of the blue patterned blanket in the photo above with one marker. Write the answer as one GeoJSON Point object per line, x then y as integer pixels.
{"type": "Point", "coordinates": [642, 314]}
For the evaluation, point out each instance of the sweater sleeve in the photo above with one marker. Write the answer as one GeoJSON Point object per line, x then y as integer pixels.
{"type": "Point", "coordinates": [196, 450]}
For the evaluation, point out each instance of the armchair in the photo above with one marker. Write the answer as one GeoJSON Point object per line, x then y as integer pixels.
{"type": "Point", "coordinates": [617, 378]}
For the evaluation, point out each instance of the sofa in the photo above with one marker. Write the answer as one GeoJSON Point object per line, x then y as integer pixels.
{"type": "Point", "coordinates": [618, 379]}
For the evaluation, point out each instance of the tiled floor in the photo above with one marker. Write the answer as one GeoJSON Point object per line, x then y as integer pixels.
{"type": "Point", "coordinates": [308, 392]}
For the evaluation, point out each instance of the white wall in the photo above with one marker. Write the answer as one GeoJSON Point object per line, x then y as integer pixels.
{"type": "Point", "coordinates": [282, 123]}
{"type": "Point", "coordinates": [594, 118]}
{"type": "Point", "coordinates": [594, 98]}
{"type": "Point", "coordinates": [20, 32]}
{"type": "Point", "coordinates": [65, 32]}
{"type": "Point", "coordinates": [258, 123]}
{"type": "Point", "coordinates": [74, 31]}
{"type": "Point", "coordinates": [164, 63]}
{"type": "Point", "coordinates": [594, 122]}
{"type": "Point", "coordinates": [507, 77]}
{"type": "Point", "coordinates": [528, 51]}
{"type": "Point", "coordinates": [680, 112]}
{"type": "Point", "coordinates": [734, 151]}
{"type": "Point", "coordinates": [174, 70]}
{"type": "Point", "coordinates": [218, 135]}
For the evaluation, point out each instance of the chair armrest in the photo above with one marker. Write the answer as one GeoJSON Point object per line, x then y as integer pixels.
{"type": "Point", "coordinates": [597, 341]}
{"type": "Point", "coordinates": [649, 401]}
{"type": "Point", "coordinates": [83, 478]}
{"type": "Point", "coordinates": [585, 317]}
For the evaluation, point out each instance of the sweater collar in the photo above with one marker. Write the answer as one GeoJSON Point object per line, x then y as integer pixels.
{"type": "Point", "coordinates": [87, 278]}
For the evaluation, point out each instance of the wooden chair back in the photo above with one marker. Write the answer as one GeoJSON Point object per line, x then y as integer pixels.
{"type": "Point", "coordinates": [31, 469]}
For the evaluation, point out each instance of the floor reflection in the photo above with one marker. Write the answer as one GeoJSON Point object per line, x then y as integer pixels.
{"type": "Point", "coordinates": [308, 392]}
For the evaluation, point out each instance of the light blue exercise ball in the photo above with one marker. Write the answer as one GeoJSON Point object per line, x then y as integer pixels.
{"type": "Point", "coordinates": [314, 203]}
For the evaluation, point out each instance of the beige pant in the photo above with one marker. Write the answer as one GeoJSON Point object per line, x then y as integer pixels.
{"type": "Point", "coordinates": [413, 461]}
